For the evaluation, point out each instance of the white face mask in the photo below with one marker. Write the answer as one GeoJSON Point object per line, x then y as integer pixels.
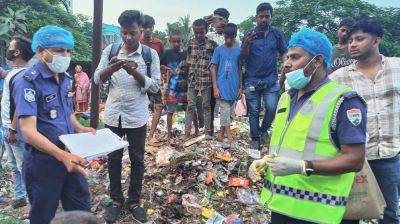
{"type": "Point", "coordinates": [59, 64]}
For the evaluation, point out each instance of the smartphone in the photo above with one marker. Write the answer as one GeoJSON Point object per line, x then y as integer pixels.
{"type": "Point", "coordinates": [259, 35]}
{"type": "Point", "coordinates": [132, 63]}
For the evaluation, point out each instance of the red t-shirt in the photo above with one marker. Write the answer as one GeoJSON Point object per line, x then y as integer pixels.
{"type": "Point", "coordinates": [156, 44]}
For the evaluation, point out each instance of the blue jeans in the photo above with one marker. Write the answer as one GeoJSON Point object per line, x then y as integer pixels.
{"type": "Point", "coordinates": [387, 173]}
{"type": "Point", "coordinates": [15, 154]}
{"type": "Point", "coordinates": [270, 96]}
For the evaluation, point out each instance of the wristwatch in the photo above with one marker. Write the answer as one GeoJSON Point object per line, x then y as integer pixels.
{"type": "Point", "coordinates": [309, 168]}
{"type": "Point", "coordinates": [12, 130]}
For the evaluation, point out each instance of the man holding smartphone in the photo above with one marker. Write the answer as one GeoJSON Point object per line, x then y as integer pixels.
{"type": "Point", "coordinates": [259, 49]}
{"type": "Point", "coordinates": [126, 110]}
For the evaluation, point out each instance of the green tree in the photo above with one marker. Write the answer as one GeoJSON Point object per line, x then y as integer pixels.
{"type": "Point", "coordinates": [42, 12]}
{"type": "Point", "coordinates": [247, 24]}
{"type": "Point", "coordinates": [324, 16]}
{"type": "Point", "coordinates": [63, 3]}
{"type": "Point", "coordinates": [12, 22]}
{"type": "Point", "coordinates": [161, 35]}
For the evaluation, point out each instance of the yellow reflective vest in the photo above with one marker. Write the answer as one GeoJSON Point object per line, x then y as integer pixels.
{"type": "Point", "coordinates": [315, 198]}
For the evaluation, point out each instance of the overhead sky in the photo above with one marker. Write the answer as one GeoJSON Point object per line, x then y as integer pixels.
{"type": "Point", "coordinates": [165, 11]}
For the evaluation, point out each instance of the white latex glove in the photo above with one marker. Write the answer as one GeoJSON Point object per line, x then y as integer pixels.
{"type": "Point", "coordinates": [257, 168]}
{"type": "Point", "coordinates": [282, 166]}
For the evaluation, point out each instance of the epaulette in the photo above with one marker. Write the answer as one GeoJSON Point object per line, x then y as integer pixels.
{"type": "Point", "coordinates": [353, 94]}
{"type": "Point", "coordinates": [31, 75]}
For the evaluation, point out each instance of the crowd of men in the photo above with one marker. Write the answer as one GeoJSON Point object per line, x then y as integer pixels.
{"type": "Point", "coordinates": [341, 107]}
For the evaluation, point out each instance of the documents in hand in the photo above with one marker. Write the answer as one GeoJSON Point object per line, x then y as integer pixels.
{"type": "Point", "coordinates": [91, 146]}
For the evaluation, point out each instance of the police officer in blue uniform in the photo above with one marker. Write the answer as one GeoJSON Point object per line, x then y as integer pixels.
{"type": "Point", "coordinates": [44, 111]}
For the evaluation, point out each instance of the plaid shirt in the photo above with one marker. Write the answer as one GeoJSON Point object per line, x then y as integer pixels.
{"type": "Point", "coordinates": [383, 99]}
{"type": "Point", "coordinates": [198, 59]}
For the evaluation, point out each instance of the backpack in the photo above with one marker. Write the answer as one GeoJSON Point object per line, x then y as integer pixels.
{"type": "Point", "coordinates": [182, 71]}
{"type": "Point", "coordinates": [146, 54]}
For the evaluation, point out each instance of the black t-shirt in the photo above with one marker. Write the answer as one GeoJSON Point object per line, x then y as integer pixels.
{"type": "Point", "coordinates": [172, 58]}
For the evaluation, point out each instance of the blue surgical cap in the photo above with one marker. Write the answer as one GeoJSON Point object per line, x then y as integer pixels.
{"type": "Point", "coordinates": [313, 42]}
{"type": "Point", "coordinates": [52, 36]}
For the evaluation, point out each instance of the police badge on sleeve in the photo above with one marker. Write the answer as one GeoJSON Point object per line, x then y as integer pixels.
{"type": "Point", "coordinates": [29, 95]}
{"type": "Point", "coordinates": [354, 116]}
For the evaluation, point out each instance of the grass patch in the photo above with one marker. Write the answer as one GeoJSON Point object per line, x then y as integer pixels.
{"type": "Point", "coordinates": [86, 123]}
{"type": "Point", "coordinates": [9, 220]}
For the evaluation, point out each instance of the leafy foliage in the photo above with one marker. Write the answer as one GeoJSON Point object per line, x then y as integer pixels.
{"type": "Point", "coordinates": [324, 16]}
{"type": "Point", "coordinates": [12, 22]}
{"type": "Point", "coordinates": [45, 12]}
{"type": "Point", "coordinates": [161, 35]}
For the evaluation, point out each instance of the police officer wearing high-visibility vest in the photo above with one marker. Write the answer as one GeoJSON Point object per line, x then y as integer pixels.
{"type": "Point", "coordinates": [44, 111]}
{"type": "Point", "coordinates": [318, 139]}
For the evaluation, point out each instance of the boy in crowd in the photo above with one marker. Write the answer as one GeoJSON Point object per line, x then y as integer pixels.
{"type": "Point", "coordinates": [200, 51]}
{"type": "Point", "coordinates": [156, 98]}
{"type": "Point", "coordinates": [220, 18]}
{"type": "Point", "coordinates": [169, 64]}
{"type": "Point", "coordinates": [227, 78]}
{"type": "Point", "coordinates": [341, 56]}
{"type": "Point", "coordinates": [148, 39]}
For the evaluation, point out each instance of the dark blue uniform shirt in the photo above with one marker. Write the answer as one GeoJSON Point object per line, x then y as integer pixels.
{"type": "Point", "coordinates": [36, 93]}
{"type": "Point", "coordinates": [261, 62]}
{"type": "Point", "coordinates": [346, 132]}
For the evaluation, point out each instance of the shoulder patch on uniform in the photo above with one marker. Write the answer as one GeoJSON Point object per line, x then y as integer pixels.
{"type": "Point", "coordinates": [29, 95]}
{"type": "Point", "coordinates": [354, 116]}
{"type": "Point", "coordinates": [30, 76]}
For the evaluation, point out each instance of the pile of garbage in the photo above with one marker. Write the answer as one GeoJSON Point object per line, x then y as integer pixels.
{"type": "Point", "coordinates": [195, 181]}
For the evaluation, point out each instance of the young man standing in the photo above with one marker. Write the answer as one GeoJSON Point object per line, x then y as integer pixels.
{"type": "Point", "coordinates": [199, 51]}
{"type": "Point", "coordinates": [341, 56]}
{"type": "Point", "coordinates": [18, 54]}
{"type": "Point", "coordinates": [259, 49]}
{"type": "Point", "coordinates": [156, 99]}
{"type": "Point", "coordinates": [377, 79]}
{"type": "Point", "coordinates": [127, 111]}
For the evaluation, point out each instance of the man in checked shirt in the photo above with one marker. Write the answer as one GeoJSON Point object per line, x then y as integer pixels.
{"type": "Point", "coordinates": [377, 79]}
{"type": "Point", "coordinates": [200, 51]}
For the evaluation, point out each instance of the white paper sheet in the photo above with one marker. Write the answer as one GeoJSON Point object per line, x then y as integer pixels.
{"type": "Point", "coordinates": [91, 146]}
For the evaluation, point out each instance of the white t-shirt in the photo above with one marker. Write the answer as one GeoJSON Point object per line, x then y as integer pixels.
{"type": "Point", "coordinates": [220, 40]}
{"type": "Point", "coordinates": [5, 100]}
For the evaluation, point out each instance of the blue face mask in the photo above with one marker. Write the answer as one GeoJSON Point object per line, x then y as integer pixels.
{"type": "Point", "coordinates": [296, 79]}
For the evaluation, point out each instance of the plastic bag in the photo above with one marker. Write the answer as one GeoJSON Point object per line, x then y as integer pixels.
{"type": "Point", "coordinates": [245, 197]}
{"type": "Point", "coordinates": [241, 107]}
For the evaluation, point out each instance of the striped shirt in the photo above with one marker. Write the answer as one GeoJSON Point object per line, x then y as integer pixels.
{"type": "Point", "coordinates": [126, 98]}
{"type": "Point", "coordinates": [383, 100]}
{"type": "Point", "coordinates": [198, 59]}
